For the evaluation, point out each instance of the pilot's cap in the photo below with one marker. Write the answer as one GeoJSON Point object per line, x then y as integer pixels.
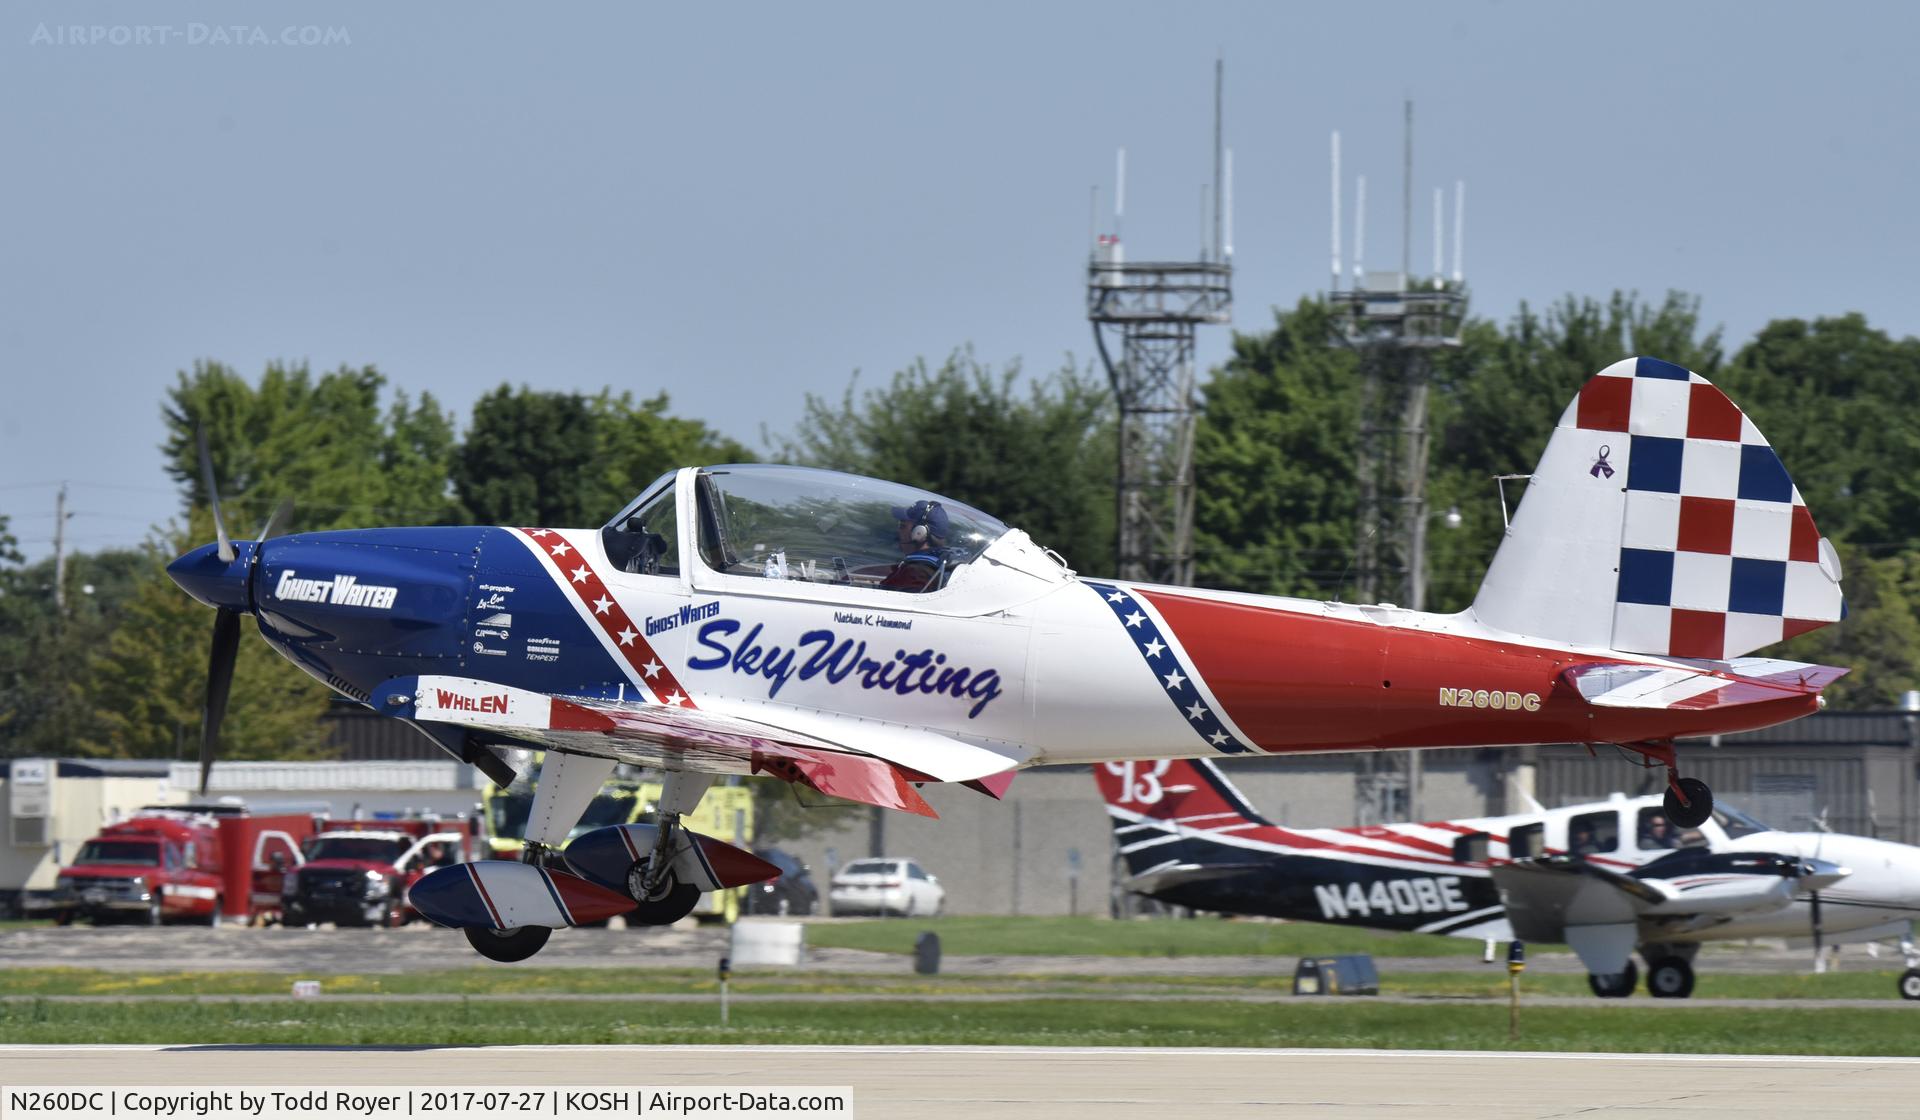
{"type": "Point", "coordinates": [930, 514]}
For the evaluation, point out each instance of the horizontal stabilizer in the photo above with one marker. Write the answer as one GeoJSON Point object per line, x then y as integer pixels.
{"type": "Point", "coordinates": [1178, 874]}
{"type": "Point", "coordinates": [1700, 685]}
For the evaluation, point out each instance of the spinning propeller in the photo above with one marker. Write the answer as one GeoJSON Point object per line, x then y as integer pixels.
{"type": "Point", "coordinates": [226, 620]}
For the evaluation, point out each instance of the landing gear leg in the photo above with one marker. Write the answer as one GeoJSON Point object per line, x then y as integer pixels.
{"type": "Point", "coordinates": [662, 899]}
{"type": "Point", "coordinates": [1688, 801]}
{"type": "Point", "coordinates": [567, 785]}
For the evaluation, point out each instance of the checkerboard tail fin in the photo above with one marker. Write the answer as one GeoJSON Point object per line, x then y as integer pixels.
{"type": "Point", "coordinates": [1660, 521]}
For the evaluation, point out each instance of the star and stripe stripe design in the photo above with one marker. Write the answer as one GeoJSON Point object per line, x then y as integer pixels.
{"type": "Point", "coordinates": [1175, 674]}
{"type": "Point", "coordinates": [590, 595]}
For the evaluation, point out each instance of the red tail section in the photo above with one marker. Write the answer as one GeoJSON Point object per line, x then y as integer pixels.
{"type": "Point", "coordinates": [1190, 791]}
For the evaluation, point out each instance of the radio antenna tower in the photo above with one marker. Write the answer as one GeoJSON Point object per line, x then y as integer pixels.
{"type": "Point", "coordinates": [1395, 323]}
{"type": "Point", "coordinates": [1144, 315]}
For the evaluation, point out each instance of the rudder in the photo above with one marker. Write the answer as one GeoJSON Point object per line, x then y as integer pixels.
{"type": "Point", "coordinates": [1660, 521]}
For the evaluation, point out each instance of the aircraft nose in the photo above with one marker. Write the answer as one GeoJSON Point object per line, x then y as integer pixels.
{"type": "Point", "coordinates": [203, 575]}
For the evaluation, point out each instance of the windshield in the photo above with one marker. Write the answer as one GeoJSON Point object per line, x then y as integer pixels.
{"type": "Point", "coordinates": [870, 867]}
{"type": "Point", "coordinates": [372, 849]}
{"type": "Point", "coordinates": [795, 523]}
{"type": "Point", "coordinates": [1736, 823]}
{"type": "Point", "coordinates": [120, 851]}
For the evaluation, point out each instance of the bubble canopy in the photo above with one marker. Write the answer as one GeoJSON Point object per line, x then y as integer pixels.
{"type": "Point", "coordinates": [799, 523]}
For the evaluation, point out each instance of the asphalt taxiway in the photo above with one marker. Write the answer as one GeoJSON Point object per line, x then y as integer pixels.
{"type": "Point", "coordinates": [967, 1083]}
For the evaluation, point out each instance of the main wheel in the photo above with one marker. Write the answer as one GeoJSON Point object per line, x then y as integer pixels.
{"type": "Point", "coordinates": [1910, 984]}
{"type": "Point", "coordinates": [1669, 978]}
{"type": "Point", "coordinates": [666, 904]}
{"type": "Point", "coordinates": [1617, 986]}
{"type": "Point", "coordinates": [1699, 803]}
{"type": "Point", "coordinates": [508, 945]}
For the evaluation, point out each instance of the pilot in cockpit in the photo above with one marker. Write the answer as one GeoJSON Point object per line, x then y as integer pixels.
{"type": "Point", "coordinates": [922, 529]}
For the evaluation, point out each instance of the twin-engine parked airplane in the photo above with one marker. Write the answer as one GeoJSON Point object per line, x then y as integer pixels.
{"type": "Point", "coordinates": [860, 638]}
{"type": "Point", "coordinates": [1606, 878]}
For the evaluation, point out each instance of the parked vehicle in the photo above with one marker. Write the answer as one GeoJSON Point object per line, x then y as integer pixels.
{"type": "Point", "coordinates": [357, 871]}
{"type": "Point", "coordinates": [792, 893]}
{"type": "Point", "coordinates": [183, 864]}
{"type": "Point", "coordinates": [886, 886]}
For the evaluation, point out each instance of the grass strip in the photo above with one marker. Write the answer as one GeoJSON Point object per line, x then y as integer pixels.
{"type": "Point", "coordinates": [1609, 1026]}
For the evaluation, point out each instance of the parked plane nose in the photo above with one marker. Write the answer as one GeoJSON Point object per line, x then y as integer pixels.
{"type": "Point", "coordinates": [203, 575]}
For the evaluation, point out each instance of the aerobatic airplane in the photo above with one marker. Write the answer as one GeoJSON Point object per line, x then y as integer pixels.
{"type": "Point", "coordinates": [861, 638]}
{"type": "Point", "coordinates": [1607, 878]}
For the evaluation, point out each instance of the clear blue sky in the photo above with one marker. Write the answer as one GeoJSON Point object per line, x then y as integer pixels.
{"type": "Point", "coordinates": [745, 203]}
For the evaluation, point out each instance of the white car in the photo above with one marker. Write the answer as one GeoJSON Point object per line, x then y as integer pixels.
{"type": "Point", "coordinates": [886, 886]}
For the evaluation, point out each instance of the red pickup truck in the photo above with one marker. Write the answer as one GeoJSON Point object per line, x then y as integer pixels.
{"type": "Point", "coordinates": [357, 871]}
{"type": "Point", "coordinates": [186, 864]}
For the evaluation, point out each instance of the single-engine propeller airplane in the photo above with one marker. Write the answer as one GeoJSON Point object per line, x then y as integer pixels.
{"type": "Point", "coordinates": [1608, 878]}
{"type": "Point", "coordinates": [861, 637]}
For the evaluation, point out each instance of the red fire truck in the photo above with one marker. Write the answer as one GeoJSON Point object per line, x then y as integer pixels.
{"type": "Point", "coordinates": [357, 871]}
{"type": "Point", "coordinates": [204, 864]}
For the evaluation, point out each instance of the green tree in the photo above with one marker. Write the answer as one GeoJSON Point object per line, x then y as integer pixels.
{"type": "Point", "coordinates": [323, 441]}
{"type": "Point", "coordinates": [46, 705]}
{"type": "Point", "coordinates": [1273, 457]}
{"type": "Point", "coordinates": [1041, 459]}
{"type": "Point", "coordinates": [537, 457]}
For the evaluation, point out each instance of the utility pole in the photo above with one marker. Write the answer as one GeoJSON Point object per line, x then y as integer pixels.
{"type": "Point", "coordinates": [60, 516]}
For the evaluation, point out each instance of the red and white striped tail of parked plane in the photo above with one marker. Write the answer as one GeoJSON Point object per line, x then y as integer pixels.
{"type": "Point", "coordinates": [862, 638]}
{"type": "Point", "coordinates": [1607, 878]}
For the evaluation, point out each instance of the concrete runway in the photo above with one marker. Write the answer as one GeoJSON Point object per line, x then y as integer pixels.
{"type": "Point", "coordinates": [969, 1083]}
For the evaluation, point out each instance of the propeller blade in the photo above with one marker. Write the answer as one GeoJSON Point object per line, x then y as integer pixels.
{"type": "Point", "coordinates": [276, 522]}
{"type": "Point", "coordinates": [213, 496]}
{"type": "Point", "coordinates": [226, 644]}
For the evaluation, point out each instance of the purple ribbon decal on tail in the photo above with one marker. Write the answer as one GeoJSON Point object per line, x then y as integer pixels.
{"type": "Point", "coordinates": [1602, 468]}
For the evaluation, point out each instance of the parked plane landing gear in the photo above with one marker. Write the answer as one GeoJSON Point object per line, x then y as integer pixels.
{"type": "Point", "coordinates": [508, 946]}
{"type": "Point", "coordinates": [1910, 984]}
{"type": "Point", "coordinates": [1617, 986]}
{"type": "Point", "coordinates": [1669, 978]}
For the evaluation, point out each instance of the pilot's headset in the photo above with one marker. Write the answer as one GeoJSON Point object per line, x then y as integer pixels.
{"type": "Point", "coordinates": [926, 523]}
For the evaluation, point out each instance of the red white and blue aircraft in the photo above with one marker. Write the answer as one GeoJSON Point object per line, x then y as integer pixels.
{"type": "Point", "coordinates": [861, 638]}
{"type": "Point", "coordinates": [1607, 878]}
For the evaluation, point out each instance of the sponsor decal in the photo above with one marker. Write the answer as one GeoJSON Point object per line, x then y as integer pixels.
{"type": "Point", "coordinates": [1601, 468]}
{"type": "Point", "coordinates": [501, 619]}
{"type": "Point", "coordinates": [341, 591]}
{"type": "Point", "coordinates": [491, 634]}
{"type": "Point", "coordinates": [490, 602]}
{"type": "Point", "coordinates": [686, 615]}
{"type": "Point", "coordinates": [1425, 894]}
{"type": "Point", "coordinates": [459, 702]}
{"type": "Point", "coordinates": [848, 618]}
{"type": "Point", "coordinates": [481, 648]}
{"type": "Point", "coordinates": [1490, 698]}
{"type": "Point", "coordinates": [543, 649]}
{"type": "Point", "coordinates": [839, 660]}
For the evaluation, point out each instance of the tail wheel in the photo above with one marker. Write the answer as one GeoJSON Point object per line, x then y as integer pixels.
{"type": "Point", "coordinates": [1699, 804]}
{"type": "Point", "coordinates": [1619, 985]}
{"type": "Point", "coordinates": [1910, 984]}
{"type": "Point", "coordinates": [508, 945]}
{"type": "Point", "coordinates": [1669, 978]}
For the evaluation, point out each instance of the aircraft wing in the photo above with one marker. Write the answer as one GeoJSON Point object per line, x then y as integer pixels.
{"type": "Point", "coordinates": [865, 761]}
{"type": "Point", "coordinates": [1601, 913]}
{"type": "Point", "coordinates": [1698, 685]}
{"type": "Point", "coordinates": [1175, 873]}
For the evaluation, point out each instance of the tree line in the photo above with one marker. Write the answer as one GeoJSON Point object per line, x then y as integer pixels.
{"type": "Point", "coordinates": [121, 671]}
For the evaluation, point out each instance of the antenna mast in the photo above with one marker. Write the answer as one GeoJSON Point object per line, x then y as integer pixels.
{"type": "Point", "coordinates": [1144, 316]}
